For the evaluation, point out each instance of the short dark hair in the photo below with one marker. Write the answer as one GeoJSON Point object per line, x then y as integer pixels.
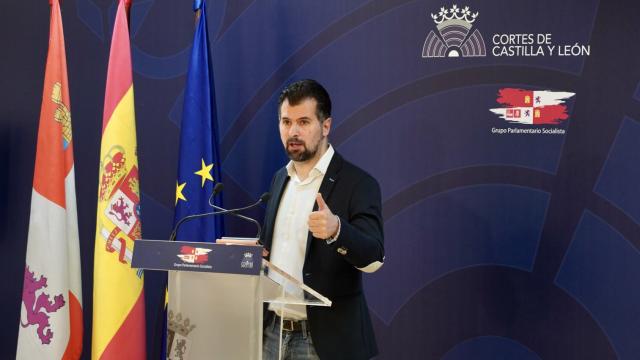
{"type": "Point", "coordinates": [301, 90]}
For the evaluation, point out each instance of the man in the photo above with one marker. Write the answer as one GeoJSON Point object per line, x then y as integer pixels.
{"type": "Point", "coordinates": [323, 225]}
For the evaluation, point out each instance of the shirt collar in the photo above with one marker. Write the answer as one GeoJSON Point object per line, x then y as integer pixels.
{"type": "Point", "coordinates": [319, 169]}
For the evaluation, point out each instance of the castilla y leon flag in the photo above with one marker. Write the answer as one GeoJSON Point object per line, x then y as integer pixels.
{"type": "Point", "coordinates": [535, 107]}
{"type": "Point", "coordinates": [51, 311]}
{"type": "Point", "coordinates": [118, 292]}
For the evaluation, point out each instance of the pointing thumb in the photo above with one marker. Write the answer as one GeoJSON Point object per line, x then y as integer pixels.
{"type": "Point", "coordinates": [321, 204]}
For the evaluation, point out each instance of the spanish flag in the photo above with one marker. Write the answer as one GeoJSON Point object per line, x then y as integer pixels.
{"type": "Point", "coordinates": [51, 310]}
{"type": "Point", "coordinates": [118, 293]}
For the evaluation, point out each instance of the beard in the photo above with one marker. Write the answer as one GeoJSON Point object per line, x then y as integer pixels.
{"type": "Point", "coordinates": [303, 154]}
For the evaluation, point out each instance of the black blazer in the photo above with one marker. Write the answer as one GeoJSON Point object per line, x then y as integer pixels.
{"type": "Point", "coordinates": [344, 330]}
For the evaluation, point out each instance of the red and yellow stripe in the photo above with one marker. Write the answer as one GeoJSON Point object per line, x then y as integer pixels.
{"type": "Point", "coordinates": [118, 293]}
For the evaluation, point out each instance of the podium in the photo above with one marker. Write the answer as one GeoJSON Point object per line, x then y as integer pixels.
{"type": "Point", "coordinates": [216, 296]}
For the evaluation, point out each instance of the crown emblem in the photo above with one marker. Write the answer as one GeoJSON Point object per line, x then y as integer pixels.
{"type": "Point", "coordinates": [247, 261]}
{"type": "Point", "coordinates": [455, 13]}
{"type": "Point", "coordinates": [113, 167]}
{"type": "Point", "coordinates": [456, 39]}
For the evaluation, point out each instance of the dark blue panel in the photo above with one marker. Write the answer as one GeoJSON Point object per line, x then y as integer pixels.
{"type": "Point", "coordinates": [377, 55]}
{"type": "Point", "coordinates": [139, 11]}
{"type": "Point", "coordinates": [490, 348]}
{"type": "Point", "coordinates": [621, 174]}
{"type": "Point", "coordinates": [160, 227]}
{"type": "Point", "coordinates": [259, 41]}
{"type": "Point", "coordinates": [165, 255]}
{"type": "Point", "coordinates": [601, 270]}
{"type": "Point", "coordinates": [385, 53]}
{"type": "Point", "coordinates": [258, 153]}
{"type": "Point", "coordinates": [488, 224]}
{"type": "Point", "coordinates": [431, 136]}
{"type": "Point", "coordinates": [156, 67]}
{"type": "Point", "coordinates": [91, 16]}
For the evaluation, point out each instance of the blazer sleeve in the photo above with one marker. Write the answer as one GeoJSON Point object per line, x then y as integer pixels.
{"type": "Point", "coordinates": [361, 238]}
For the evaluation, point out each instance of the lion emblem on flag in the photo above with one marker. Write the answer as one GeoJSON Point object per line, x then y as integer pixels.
{"type": "Point", "coordinates": [38, 307]}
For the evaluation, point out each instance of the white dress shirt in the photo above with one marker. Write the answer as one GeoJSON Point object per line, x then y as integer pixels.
{"type": "Point", "coordinates": [291, 230]}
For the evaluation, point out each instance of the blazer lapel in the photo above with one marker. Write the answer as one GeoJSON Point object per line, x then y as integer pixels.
{"type": "Point", "coordinates": [276, 195]}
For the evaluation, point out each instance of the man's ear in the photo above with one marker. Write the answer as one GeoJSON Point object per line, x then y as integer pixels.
{"type": "Point", "coordinates": [326, 126]}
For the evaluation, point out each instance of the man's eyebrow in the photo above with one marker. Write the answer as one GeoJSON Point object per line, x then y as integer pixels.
{"type": "Point", "coordinates": [300, 118]}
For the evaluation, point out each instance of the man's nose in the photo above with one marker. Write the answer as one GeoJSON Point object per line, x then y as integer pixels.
{"type": "Point", "coordinates": [294, 130]}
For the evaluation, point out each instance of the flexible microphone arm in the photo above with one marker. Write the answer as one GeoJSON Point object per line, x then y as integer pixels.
{"type": "Point", "coordinates": [174, 233]}
{"type": "Point", "coordinates": [243, 217]}
{"type": "Point", "coordinates": [216, 190]}
{"type": "Point", "coordinates": [263, 198]}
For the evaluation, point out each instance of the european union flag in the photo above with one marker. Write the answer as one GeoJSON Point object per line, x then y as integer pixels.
{"type": "Point", "coordinates": [199, 163]}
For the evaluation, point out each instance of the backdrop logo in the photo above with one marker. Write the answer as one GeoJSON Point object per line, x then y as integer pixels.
{"type": "Point", "coordinates": [542, 110]}
{"type": "Point", "coordinates": [194, 255]}
{"type": "Point", "coordinates": [532, 107]}
{"type": "Point", "coordinates": [454, 40]}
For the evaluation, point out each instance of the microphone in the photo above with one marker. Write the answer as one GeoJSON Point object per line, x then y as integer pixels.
{"type": "Point", "coordinates": [263, 199]}
{"type": "Point", "coordinates": [217, 188]}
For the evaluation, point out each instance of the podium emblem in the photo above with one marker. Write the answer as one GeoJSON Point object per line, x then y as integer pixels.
{"type": "Point", "coordinates": [178, 331]}
{"type": "Point", "coordinates": [194, 255]}
{"type": "Point", "coordinates": [247, 261]}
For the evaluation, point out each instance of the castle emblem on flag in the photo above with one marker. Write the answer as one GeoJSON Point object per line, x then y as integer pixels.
{"type": "Point", "coordinates": [456, 39]}
{"type": "Point", "coordinates": [532, 107]}
{"type": "Point", "coordinates": [38, 307]}
{"type": "Point", "coordinates": [62, 114]}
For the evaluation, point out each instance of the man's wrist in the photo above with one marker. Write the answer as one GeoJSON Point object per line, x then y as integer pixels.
{"type": "Point", "coordinates": [334, 238]}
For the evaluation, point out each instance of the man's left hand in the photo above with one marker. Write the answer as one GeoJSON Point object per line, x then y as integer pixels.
{"type": "Point", "coordinates": [323, 224]}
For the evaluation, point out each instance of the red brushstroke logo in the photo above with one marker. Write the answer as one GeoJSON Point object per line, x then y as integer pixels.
{"type": "Point", "coordinates": [532, 107]}
{"type": "Point", "coordinates": [194, 255]}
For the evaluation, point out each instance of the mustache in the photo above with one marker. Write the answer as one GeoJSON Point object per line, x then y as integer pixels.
{"type": "Point", "coordinates": [295, 140]}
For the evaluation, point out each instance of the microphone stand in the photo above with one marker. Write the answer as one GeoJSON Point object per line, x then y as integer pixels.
{"type": "Point", "coordinates": [221, 211]}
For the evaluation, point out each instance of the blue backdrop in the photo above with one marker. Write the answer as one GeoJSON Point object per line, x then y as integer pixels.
{"type": "Point", "coordinates": [499, 243]}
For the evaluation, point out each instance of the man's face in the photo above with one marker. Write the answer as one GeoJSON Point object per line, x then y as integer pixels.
{"type": "Point", "coordinates": [301, 131]}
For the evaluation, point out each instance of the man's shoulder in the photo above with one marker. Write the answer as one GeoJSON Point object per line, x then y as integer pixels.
{"type": "Point", "coordinates": [281, 172]}
{"type": "Point", "coordinates": [278, 177]}
{"type": "Point", "coordinates": [352, 171]}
